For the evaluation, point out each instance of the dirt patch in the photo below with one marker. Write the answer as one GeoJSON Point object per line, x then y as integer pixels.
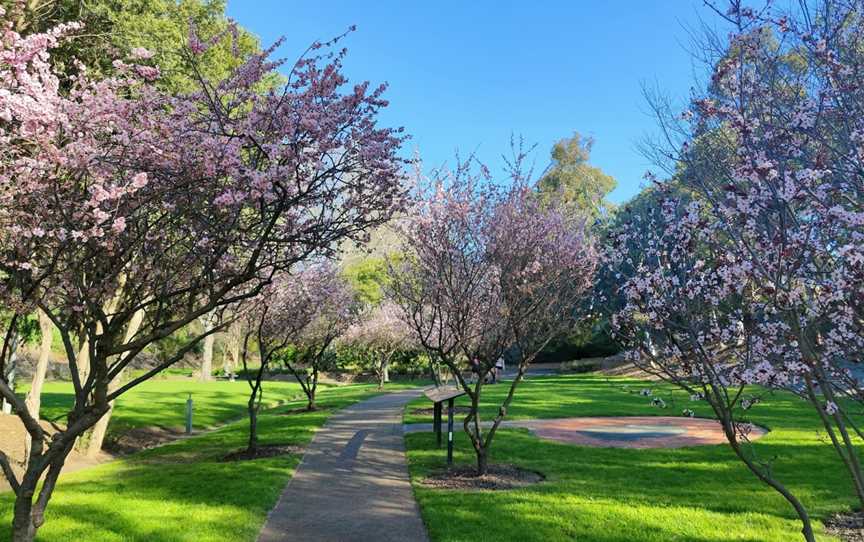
{"type": "Point", "coordinates": [12, 437]}
{"type": "Point", "coordinates": [301, 410]}
{"type": "Point", "coordinates": [142, 438]}
{"type": "Point", "coordinates": [499, 477]}
{"type": "Point", "coordinates": [628, 370]}
{"type": "Point", "coordinates": [430, 411]}
{"type": "Point", "coordinates": [263, 452]}
{"type": "Point", "coordinates": [848, 527]}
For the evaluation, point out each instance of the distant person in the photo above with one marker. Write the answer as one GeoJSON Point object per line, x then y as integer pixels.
{"type": "Point", "coordinates": [499, 368]}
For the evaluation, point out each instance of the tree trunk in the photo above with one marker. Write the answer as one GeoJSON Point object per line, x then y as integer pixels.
{"type": "Point", "coordinates": [311, 388]}
{"type": "Point", "coordinates": [207, 355]}
{"type": "Point", "coordinates": [714, 397]}
{"type": "Point", "coordinates": [475, 434]}
{"type": "Point", "coordinates": [845, 449]}
{"type": "Point", "coordinates": [207, 358]}
{"type": "Point", "coordinates": [83, 361]}
{"type": "Point", "coordinates": [383, 371]}
{"type": "Point", "coordinates": [34, 396]}
{"type": "Point", "coordinates": [10, 370]}
{"type": "Point", "coordinates": [253, 426]}
{"type": "Point", "coordinates": [29, 509]}
{"type": "Point", "coordinates": [482, 461]}
{"type": "Point", "coordinates": [93, 440]}
{"type": "Point", "coordinates": [233, 351]}
{"type": "Point", "coordinates": [23, 529]}
{"type": "Point", "coordinates": [803, 516]}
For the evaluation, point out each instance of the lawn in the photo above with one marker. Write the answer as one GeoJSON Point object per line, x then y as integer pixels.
{"type": "Point", "coordinates": [616, 495]}
{"type": "Point", "coordinates": [183, 491]}
{"type": "Point", "coordinates": [162, 402]}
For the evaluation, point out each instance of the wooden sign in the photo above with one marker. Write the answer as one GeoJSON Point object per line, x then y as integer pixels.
{"type": "Point", "coordinates": [439, 395]}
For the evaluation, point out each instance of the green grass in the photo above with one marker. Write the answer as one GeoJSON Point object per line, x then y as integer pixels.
{"type": "Point", "coordinates": [162, 403]}
{"type": "Point", "coordinates": [697, 494]}
{"type": "Point", "coordinates": [182, 491]}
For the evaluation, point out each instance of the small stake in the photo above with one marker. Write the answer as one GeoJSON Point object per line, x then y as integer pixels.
{"type": "Point", "coordinates": [450, 432]}
{"type": "Point", "coordinates": [189, 415]}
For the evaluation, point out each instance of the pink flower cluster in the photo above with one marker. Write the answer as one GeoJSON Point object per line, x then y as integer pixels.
{"type": "Point", "coordinates": [488, 270]}
{"type": "Point", "coordinates": [761, 275]}
{"type": "Point", "coordinates": [116, 183]}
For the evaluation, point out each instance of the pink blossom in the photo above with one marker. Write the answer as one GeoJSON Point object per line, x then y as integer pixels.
{"type": "Point", "coordinates": [141, 53]}
{"type": "Point", "coordinates": [139, 180]}
{"type": "Point", "coordinates": [119, 225]}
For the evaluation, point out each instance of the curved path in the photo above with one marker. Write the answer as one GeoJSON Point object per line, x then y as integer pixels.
{"type": "Point", "coordinates": [352, 484]}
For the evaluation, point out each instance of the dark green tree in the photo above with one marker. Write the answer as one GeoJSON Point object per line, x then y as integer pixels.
{"type": "Point", "coordinates": [571, 181]}
{"type": "Point", "coordinates": [113, 28]}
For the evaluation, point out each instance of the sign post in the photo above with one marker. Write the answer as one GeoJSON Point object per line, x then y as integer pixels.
{"type": "Point", "coordinates": [438, 396]}
{"type": "Point", "coordinates": [436, 422]}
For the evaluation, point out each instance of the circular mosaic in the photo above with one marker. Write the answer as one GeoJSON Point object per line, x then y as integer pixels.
{"type": "Point", "coordinates": [633, 432]}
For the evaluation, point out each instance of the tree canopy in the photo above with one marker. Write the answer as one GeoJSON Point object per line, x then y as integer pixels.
{"type": "Point", "coordinates": [114, 28]}
{"type": "Point", "coordinates": [570, 180]}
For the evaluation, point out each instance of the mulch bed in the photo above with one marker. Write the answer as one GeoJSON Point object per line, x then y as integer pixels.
{"type": "Point", "coordinates": [848, 527]}
{"type": "Point", "coordinates": [264, 451]}
{"type": "Point", "coordinates": [301, 410]}
{"type": "Point", "coordinates": [431, 411]}
{"type": "Point", "coordinates": [142, 438]}
{"type": "Point", "coordinates": [499, 477]}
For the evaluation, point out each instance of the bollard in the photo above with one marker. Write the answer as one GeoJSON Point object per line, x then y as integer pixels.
{"type": "Point", "coordinates": [450, 432]}
{"type": "Point", "coordinates": [189, 415]}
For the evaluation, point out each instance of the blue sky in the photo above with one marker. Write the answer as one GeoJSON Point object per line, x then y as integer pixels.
{"type": "Point", "coordinates": [466, 74]}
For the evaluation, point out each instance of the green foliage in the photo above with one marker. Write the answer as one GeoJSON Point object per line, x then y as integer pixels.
{"type": "Point", "coordinates": [360, 359]}
{"type": "Point", "coordinates": [574, 183]}
{"type": "Point", "coordinates": [164, 349]}
{"type": "Point", "coordinates": [114, 27]}
{"type": "Point", "coordinates": [411, 363]}
{"type": "Point", "coordinates": [368, 277]}
{"type": "Point", "coordinates": [592, 339]}
{"type": "Point", "coordinates": [329, 360]}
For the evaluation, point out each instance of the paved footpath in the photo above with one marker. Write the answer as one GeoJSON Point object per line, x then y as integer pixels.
{"type": "Point", "coordinates": [352, 484]}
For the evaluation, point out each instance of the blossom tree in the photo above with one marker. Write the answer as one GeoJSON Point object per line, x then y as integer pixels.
{"type": "Point", "coordinates": [119, 202]}
{"type": "Point", "coordinates": [489, 272]}
{"type": "Point", "coordinates": [695, 317]}
{"type": "Point", "coordinates": [778, 215]}
{"type": "Point", "coordinates": [325, 306]}
{"type": "Point", "coordinates": [381, 333]}
{"type": "Point", "coordinates": [270, 321]}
